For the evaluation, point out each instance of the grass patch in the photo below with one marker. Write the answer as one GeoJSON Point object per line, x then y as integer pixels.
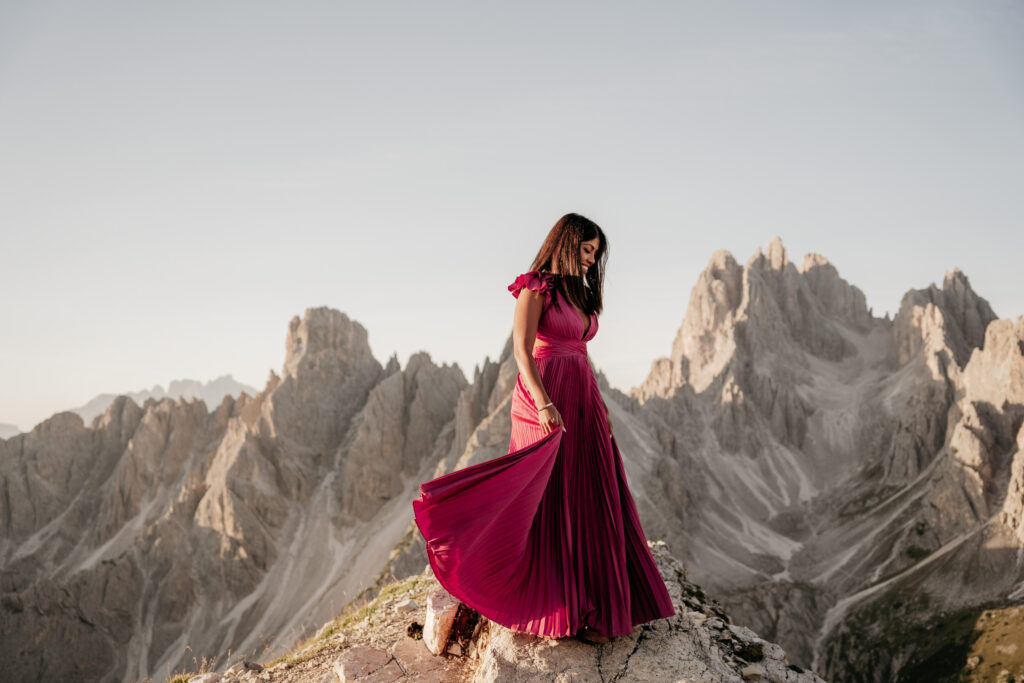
{"type": "Point", "coordinates": [202, 666]}
{"type": "Point", "coordinates": [998, 643]}
{"type": "Point", "coordinates": [351, 616]}
{"type": "Point", "coordinates": [294, 657]}
{"type": "Point", "coordinates": [966, 645]}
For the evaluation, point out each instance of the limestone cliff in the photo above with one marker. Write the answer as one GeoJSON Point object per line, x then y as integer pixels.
{"type": "Point", "coordinates": [824, 451]}
{"type": "Point", "coordinates": [167, 530]}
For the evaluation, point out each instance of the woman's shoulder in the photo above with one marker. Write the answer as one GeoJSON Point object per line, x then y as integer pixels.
{"type": "Point", "coordinates": [537, 280]}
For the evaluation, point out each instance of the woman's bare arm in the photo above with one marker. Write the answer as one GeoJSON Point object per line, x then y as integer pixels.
{"type": "Point", "coordinates": [529, 306]}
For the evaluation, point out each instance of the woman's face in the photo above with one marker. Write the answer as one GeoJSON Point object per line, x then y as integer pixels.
{"type": "Point", "coordinates": [587, 251]}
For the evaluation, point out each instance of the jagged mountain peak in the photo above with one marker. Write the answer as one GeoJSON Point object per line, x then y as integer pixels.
{"type": "Point", "coordinates": [953, 317]}
{"type": "Point", "coordinates": [322, 331]}
{"type": "Point", "coordinates": [767, 307]}
{"type": "Point", "coordinates": [813, 260]}
{"type": "Point", "coordinates": [393, 365]}
{"type": "Point", "coordinates": [774, 256]}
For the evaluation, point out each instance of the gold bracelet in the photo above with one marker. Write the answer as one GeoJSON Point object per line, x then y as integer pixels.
{"type": "Point", "coordinates": [546, 406]}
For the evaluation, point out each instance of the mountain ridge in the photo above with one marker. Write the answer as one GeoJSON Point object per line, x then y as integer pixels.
{"type": "Point", "coordinates": [797, 450]}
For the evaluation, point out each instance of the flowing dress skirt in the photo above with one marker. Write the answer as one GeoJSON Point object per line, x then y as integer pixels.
{"type": "Point", "coordinates": [546, 539]}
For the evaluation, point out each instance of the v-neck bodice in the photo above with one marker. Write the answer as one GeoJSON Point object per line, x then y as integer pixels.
{"type": "Point", "coordinates": [561, 323]}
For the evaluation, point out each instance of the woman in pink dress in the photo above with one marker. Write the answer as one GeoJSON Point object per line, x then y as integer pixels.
{"type": "Point", "coordinates": [546, 538]}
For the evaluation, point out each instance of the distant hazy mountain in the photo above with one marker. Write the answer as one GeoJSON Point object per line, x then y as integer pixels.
{"type": "Point", "coordinates": [211, 393]}
{"type": "Point", "coordinates": [7, 431]}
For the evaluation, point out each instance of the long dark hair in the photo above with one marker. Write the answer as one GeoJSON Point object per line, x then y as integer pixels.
{"type": "Point", "coordinates": [562, 247]}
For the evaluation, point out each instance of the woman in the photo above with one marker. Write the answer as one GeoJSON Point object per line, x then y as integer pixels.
{"type": "Point", "coordinates": [546, 538]}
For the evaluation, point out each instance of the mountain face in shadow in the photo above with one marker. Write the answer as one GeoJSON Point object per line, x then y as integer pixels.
{"type": "Point", "coordinates": [850, 487]}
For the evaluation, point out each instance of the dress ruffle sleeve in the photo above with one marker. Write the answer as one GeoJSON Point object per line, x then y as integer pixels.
{"type": "Point", "coordinates": [535, 280]}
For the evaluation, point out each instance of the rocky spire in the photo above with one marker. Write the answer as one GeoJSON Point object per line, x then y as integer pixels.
{"type": "Point", "coordinates": [328, 372]}
{"type": "Point", "coordinates": [953, 317]}
{"type": "Point", "coordinates": [766, 307]}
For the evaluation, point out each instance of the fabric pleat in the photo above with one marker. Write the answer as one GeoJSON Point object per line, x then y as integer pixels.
{"type": "Point", "coordinates": [546, 539]}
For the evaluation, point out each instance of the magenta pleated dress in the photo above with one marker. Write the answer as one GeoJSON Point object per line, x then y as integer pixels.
{"type": "Point", "coordinates": [546, 539]}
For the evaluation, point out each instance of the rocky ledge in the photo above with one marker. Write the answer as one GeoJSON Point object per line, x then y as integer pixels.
{"type": "Point", "coordinates": [395, 637]}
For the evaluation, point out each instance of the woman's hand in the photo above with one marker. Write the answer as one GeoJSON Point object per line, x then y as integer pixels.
{"type": "Point", "coordinates": [550, 419]}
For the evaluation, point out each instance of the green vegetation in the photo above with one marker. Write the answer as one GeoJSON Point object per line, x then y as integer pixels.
{"type": "Point", "coordinates": [941, 647]}
{"type": "Point", "coordinates": [999, 644]}
{"type": "Point", "coordinates": [959, 646]}
{"type": "Point", "coordinates": [297, 656]}
{"type": "Point", "coordinates": [201, 667]}
{"type": "Point", "coordinates": [352, 615]}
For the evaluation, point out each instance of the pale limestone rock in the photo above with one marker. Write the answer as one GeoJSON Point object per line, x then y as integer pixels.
{"type": "Point", "coordinates": [838, 299]}
{"type": "Point", "coordinates": [953, 317]}
{"type": "Point", "coordinates": [328, 374]}
{"type": "Point", "coordinates": [678, 648]}
{"type": "Point", "coordinates": [441, 610]}
{"type": "Point", "coordinates": [1012, 514]}
{"type": "Point", "coordinates": [407, 605]}
{"type": "Point", "coordinates": [752, 672]}
{"type": "Point", "coordinates": [415, 658]}
{"type": "Point", "coordinates": [705, 343]}
{"type": "Point", "coordinates": [205, 678]}
{"type": "Point", "coordinates": [360, 661]}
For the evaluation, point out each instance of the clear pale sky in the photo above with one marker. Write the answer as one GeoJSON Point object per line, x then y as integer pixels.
{"type": "Point", "coordinates": [179, 179]}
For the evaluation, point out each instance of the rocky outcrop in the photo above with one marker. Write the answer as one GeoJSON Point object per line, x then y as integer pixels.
{"type": "Point", "coordinates": [381, 640]}
{"type": "Point", "coordinates": [699, 643]}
